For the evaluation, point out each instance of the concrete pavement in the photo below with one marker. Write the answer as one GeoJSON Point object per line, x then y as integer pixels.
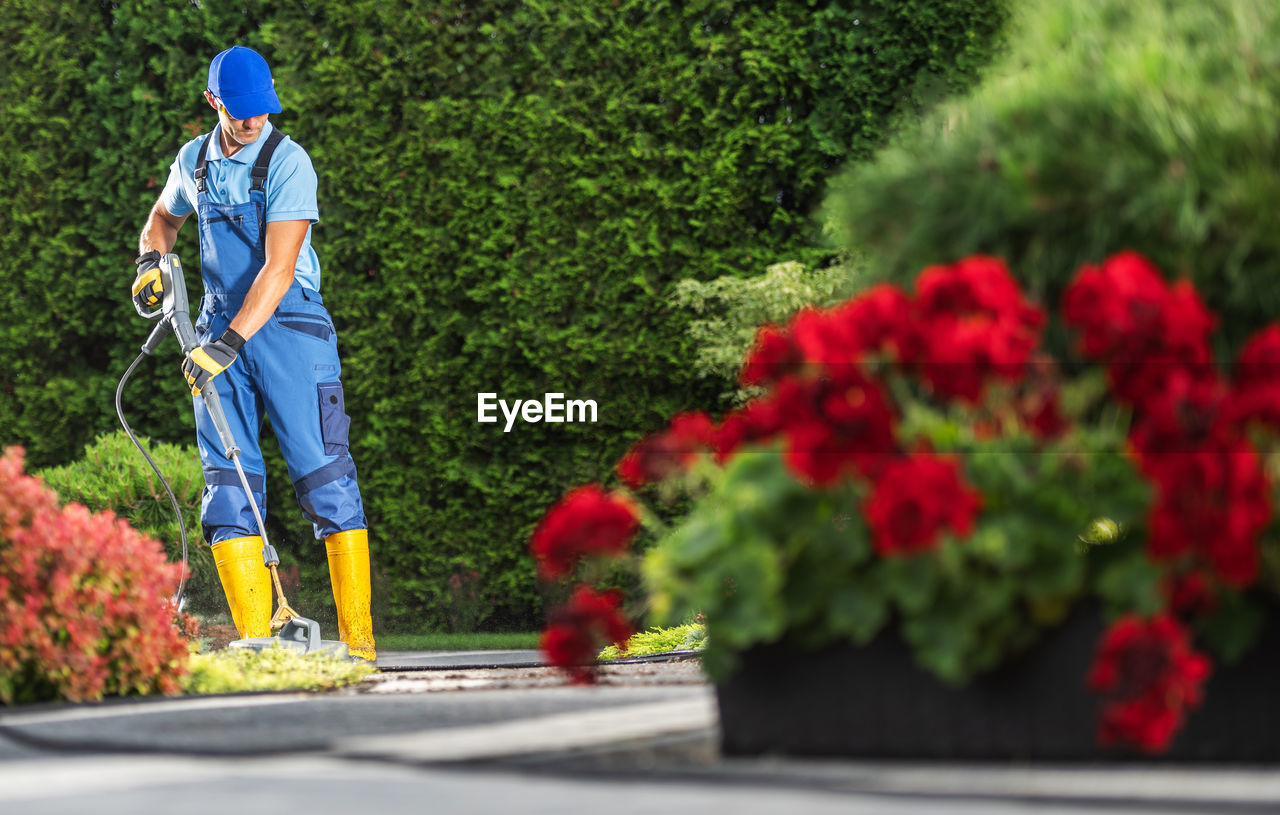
{"type": "Point", "coordinates": [453, 738]}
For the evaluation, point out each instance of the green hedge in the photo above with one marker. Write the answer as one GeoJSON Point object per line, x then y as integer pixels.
{"type": "Point", "coordinates": [509, 190]}
{"type": "Point", "coordinates": [1110, 124]}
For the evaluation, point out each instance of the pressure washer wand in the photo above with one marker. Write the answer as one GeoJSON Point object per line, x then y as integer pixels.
{"type": "Point", "coordinates": [174, 315]}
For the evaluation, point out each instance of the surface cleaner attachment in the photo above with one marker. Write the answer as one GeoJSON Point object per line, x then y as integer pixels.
{"type": "Point", "coordinates": [299, 634]}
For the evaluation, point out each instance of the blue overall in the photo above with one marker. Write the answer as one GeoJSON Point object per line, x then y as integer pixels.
{"type": "Point", "coordinates": [288, 371]}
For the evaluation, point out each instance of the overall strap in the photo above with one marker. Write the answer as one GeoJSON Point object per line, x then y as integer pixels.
{"type": "Point", "coordinates": [258, 175]}
{"type": "Point", "coordinates": [202, 162]}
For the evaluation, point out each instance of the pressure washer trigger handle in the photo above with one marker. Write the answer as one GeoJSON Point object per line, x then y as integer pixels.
{"type": "Point", "coordinates": [269, 556]}
{"type": "Point", "coordinates": [157, 336]}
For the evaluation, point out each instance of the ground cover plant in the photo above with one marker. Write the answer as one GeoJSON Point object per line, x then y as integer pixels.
{"type": "Point", "coordinates": [918, 463]}
{"type": "Point", "coordinates": [657, 640]}
{"type": "Point", "coordinates": [237, 670]}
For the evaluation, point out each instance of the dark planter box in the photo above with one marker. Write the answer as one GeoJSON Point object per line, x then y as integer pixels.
{"type": "Point", "coordinates": [875, 702]}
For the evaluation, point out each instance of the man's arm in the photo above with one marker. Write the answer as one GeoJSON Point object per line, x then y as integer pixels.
{"type": "Point", "coordinates": [161, 230]}
{"type": "Point", "coordinates": [284, 241]}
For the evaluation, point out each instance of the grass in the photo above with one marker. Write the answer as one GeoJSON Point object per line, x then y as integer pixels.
{"type": "Point", "coordinates": [659, 640]}
{"type": "Point", "coordinates": [239, 669]}
{"type": "Point", "coordinates": [458, 642]}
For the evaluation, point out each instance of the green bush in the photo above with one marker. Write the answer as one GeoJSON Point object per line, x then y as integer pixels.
{"type": "Point", "coordinates": [1109, 124]}
{"type": "Point", "coordinates": [730, 310]}
{"type": "Point", "coordinates": [508, 192]}
{"type": "Point", "coordinates": [113, 475]}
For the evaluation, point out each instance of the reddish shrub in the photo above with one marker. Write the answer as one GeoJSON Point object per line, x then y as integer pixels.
{"type": "Point", "coordinates": [84, 600]}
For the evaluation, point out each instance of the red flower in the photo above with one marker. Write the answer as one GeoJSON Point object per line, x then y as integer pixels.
{"type": "Point", "coordinates": [1150, 677]}
{"type": "Point", "coordinates": [1140, 327]}
{"type": "Point", "coordinates": [773, 356]}
{"type": "Point", "coordinates": [579, 629]}
{"type": "Point", "coordinates": [664, 454]}
{"type": "Point", "coordinates": [1211, 506]}
{"type": "Point", "coordinates": [914, 499]}
{"type": "Point", "coordinates": [1259, 360]}
{"type": "Point", "coordinates": [586, 522]}
{"type": "Point", "coordinates": [878, 319]}
{"type": "Point", "coordinates": [760, 420]}
{"type": "Point", "coordinates": [571, 649]}
{"type": "Point", "coordinates": [881, 318]}
{"type": "Point", "coordinates": [975, 285]}
{"type": "Point", "coordinates": [835, 425]}
{"type": "Point", "coordinates": [973, 324]}
{"type": "Point", "coordinates": [1255, 393]}
{"type": "Point", "coordinates": [1190, 594]}
{"type": "Point", "coordinates": [1186, 414]}
{"type": "Point", "coordinates": [1041, 413]}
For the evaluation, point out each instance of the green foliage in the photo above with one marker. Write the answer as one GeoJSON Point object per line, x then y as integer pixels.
{"type": "Point", "coordinates": [691, 637]}
{"type": "Point", "coordinates": [509, 190]}
{"type": "Point", "coordinates": [1109, 124]}
{"type": "Point", "coordinates": [236, 670]}
{"type": "Point", "coordinates": [730, 310]}
{"type": "Point", "coordinates": [113, 475]}
{"type": "Point", "coordinates": [765, 557]}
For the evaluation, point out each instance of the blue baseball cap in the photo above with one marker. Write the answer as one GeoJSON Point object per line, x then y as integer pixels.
{"type": "Point", "coordinates": [240, 77]}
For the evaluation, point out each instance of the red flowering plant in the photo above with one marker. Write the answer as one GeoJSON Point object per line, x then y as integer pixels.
{"type": "Point", "coordinates": [587, 527]}
{"type": "Point", "coordinates": [84, 600]}
{"type": "Point", "coordinates": [917, 464]}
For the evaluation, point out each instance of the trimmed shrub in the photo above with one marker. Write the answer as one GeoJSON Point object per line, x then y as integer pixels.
{"type": "Point", "coordinates": [1110, 124]}
{"type": "Point", "coordinates": [508, 192]}
{"type": "Point", "coordinates": [84, 609]}
{"type": "Point", "coordinates": [113, 475]}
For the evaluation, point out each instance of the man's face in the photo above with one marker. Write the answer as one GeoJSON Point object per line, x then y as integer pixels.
{"type": "Point", "coordinates": [241, 131]}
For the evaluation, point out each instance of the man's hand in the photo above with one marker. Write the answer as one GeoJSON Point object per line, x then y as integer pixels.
{"type": "Point", "coordinates": [211, 359]}
{"type": "Point", "coordinates": [147, 290]}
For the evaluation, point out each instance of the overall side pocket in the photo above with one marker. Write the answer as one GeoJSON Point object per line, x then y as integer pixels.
{"type": "Point", "coordinates": [335, 424]}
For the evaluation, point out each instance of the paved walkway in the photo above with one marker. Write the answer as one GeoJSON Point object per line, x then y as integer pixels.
{"type": "Point", "coordinates": [448, 737]}
{"type": "Point", "coordinates": [436, 660]}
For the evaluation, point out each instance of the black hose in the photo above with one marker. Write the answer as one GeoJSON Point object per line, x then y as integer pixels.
{"type": "Point", "coordinates": [177, 510]}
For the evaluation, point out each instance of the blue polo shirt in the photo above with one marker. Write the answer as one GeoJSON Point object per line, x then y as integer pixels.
{"type": "Point", "coordinates": [290, 189]}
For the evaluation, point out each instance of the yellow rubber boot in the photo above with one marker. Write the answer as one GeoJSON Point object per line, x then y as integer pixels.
{"type": "Point", "coordinates": [349, 573]}
{"type": "Point", "coordinates": [247, 584]}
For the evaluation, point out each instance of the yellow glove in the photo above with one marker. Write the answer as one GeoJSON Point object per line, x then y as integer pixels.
{"type": "Point", "coordinates": [147, 290]}
{"type": "Point", "coordinates": [211, 359]}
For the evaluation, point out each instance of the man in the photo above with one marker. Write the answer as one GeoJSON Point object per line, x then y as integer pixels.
{"type": "Point", "coordinates": [267, 343]}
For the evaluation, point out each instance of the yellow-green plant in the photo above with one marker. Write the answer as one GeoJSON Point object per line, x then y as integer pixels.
{"type": "Point", "coordinates": [239, 669]}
